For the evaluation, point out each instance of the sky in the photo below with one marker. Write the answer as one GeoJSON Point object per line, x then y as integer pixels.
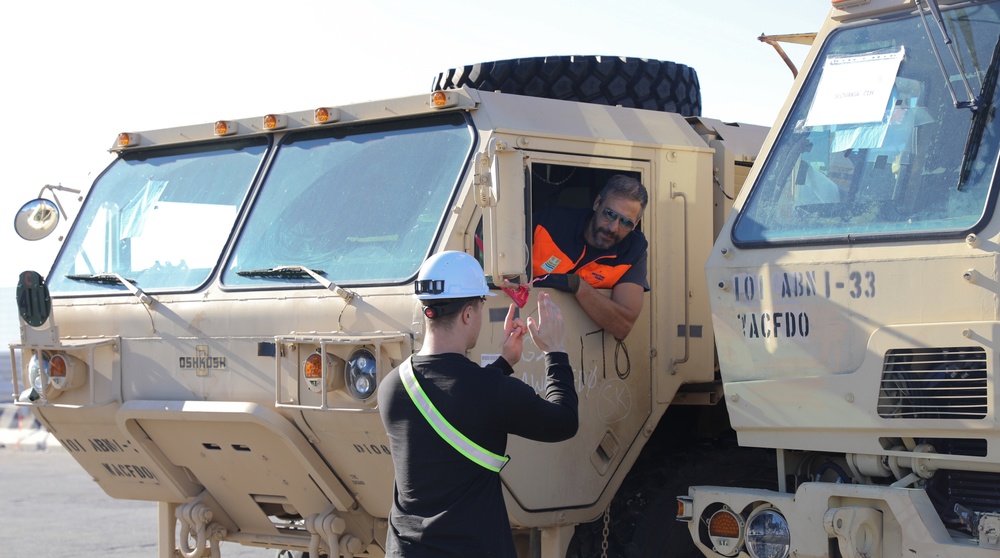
{"type": "Point", "coordinates": [75, 74]}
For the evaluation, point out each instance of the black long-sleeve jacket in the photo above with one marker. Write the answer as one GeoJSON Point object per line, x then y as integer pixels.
{"type": "Point", "coordinates": [443, 503]}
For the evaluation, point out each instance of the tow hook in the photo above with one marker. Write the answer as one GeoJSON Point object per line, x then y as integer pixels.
{"type": "Point", "coordinates": [195, 519]}
{"type": "Point", "coordinates": [329, 528]}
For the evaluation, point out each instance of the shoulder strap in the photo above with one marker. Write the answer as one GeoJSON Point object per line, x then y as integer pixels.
{"type": "Point", "coordinates": [468, 448]}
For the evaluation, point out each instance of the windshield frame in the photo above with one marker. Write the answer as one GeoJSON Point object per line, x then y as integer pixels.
{"type": "Point", "coordinates": [742, 234]}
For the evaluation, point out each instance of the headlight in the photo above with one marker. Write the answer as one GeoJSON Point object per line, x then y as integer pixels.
{"type": "Point", "coordinates": [767, 534]}
{"type": "Point", "coordinates": [63, 372]}
{"type": "Point", "coordinates": [361, 374]}
{"type": "Point", "coordinates": [35, 372]}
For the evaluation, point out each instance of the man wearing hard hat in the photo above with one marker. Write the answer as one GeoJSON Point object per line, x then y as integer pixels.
{"type": "Point", "coordinates": [448, 418]}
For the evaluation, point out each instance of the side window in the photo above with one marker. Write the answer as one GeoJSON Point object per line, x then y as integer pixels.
{"type": "Point", "coordinates": [554, 185]}
{"type": "Point", "coordinates": [566, 186]}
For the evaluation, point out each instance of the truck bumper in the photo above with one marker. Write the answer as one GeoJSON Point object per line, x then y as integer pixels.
{"type": "Point", "coordinates": [859, 520]}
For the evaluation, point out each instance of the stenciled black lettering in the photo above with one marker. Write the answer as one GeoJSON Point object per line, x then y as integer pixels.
{"type": "Point", "coordinates": [777, 324]}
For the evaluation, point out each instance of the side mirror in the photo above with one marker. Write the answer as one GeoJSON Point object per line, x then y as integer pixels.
{"type": "Point", "coordinates": [36, 219]}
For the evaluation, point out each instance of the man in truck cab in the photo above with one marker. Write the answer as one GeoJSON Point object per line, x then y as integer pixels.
{"type": "Point", "coordinates": [579, 251]}
{"type": "Point", "coordinates": [448, 418]}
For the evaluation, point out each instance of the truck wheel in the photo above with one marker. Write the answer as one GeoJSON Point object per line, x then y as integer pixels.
{"type": "Point", "coordinates": [643, 514]}
{"type": "Point", "coordinates": [606, 80]}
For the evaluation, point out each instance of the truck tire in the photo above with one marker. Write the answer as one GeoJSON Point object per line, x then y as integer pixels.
{"type": "Point", "coordinates": [643, 513]}
{"type": "Point", "coordinates": [606, 80]}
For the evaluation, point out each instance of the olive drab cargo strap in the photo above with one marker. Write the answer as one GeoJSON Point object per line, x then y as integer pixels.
{"type": "Point", "coordinates": [476, 453]}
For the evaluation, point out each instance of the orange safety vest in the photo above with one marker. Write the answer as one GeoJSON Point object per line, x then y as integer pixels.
{"type": "Point", "coordinates": [602, 273]}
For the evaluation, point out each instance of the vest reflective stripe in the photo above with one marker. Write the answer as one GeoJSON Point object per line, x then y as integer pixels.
{"type": "Point", "coordinates": [476, 453]}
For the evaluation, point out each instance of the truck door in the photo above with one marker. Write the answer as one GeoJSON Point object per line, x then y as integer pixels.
{"type": "Point", "coordinates": [612, 377]}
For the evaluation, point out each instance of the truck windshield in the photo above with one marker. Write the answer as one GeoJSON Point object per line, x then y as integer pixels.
{"type": "Point", "coordinates": [354, 204]}
{"type": "Point", "coordinates": [874, 147]}
{"type": "Point", "coordinates": [158, 219]}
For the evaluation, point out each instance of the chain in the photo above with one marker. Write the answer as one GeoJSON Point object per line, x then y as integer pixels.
{"type": "Point", "coordinates": [607, 520]}
{"type": "Point", "coordinates": [547, 181]}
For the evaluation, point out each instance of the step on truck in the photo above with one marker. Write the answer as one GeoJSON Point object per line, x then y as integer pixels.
{"type": "Point", "coordinates": [854, 293]}
{"type": "Point", "coordinates": [215, 326]}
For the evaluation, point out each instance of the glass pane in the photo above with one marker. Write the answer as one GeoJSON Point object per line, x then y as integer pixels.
{"type": "Point", "coordinates": [874, 144]}
{"type": "Point", "coordinates": [359, 204]}
{"type": "Point", "coordinates": [160, 219]}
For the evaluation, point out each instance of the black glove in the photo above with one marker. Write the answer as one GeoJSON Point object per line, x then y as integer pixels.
{"type": "Point", "coordinates": [568, 283]}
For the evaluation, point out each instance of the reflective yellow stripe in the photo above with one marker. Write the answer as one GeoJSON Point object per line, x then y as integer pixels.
{"type": "Point", "coordinates": [468, 448]}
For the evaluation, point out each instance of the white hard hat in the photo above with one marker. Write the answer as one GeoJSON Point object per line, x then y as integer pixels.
{"type": "Point", "coordinates": [451, 274]}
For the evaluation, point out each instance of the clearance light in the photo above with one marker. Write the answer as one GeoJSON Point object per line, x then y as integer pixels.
{"type": "Point", "coordinates": [326, 115]}
{"type": "Point", "coordinates": [361, 374]}
{"type": "Point", "coordinates": [275, 121]}
{"type": "Point", "coordinates": [725, 529]}
{"type": "Point", "coordinates": [443, 99]}
{"type": "Point", "coordinates": [226, 128]}
{"type": "Point", "coordinates": [126, 139]}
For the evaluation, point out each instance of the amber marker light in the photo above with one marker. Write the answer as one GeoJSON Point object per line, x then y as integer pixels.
{"type": "Point", "coordinates": [126, 139]}
{"type": "Point", "coordinates": [326, 115]}
{"type": "Point", "coordinates": [275, 121]}
{"type": "Point", "coordinates": [314, 366]}
{"type": "Point", "coordinates": [724, 524]}
{"type": "Point", "coordinates": [57, 367]}
{"type": "Point", "coordinates": [225, 128]}
{"type": "Point", "coordinates": [66, 372]}
{"type": "Point", "coordinates": [443, 99]}
{"type": "Point", "coordinates": [725, 529]}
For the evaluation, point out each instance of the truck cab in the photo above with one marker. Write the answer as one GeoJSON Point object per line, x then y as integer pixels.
{"type": "Point", "coordinates": [854, 297]}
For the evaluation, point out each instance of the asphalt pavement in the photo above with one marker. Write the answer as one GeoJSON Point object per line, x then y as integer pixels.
{"type": "Point", "coordinates": [54, 509]}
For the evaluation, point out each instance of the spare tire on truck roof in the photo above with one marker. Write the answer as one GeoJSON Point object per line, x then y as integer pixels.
{"type": "Point", "coordinates": [606, 80]}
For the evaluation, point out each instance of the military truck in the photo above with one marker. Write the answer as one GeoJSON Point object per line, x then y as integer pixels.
{"type": "Point", "coordinates": [220, 314]}
{"type": "Point", "coordinates": [215, 326]}
{"type": "Point", "coordinates": [854, 293]}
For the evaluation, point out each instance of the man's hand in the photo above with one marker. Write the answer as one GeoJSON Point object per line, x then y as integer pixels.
{"type": "Point", "coordinates": [513, 337]}
{"type": "Point", "coordinates": [566, 282]}
{"type": "Point", "coordinates": [549, 332]}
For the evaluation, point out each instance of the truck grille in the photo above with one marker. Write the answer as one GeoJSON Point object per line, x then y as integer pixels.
{"type": "Point", "coordinates": [978, 492]}
{"type": "Point", "coordinates": [934, 383]}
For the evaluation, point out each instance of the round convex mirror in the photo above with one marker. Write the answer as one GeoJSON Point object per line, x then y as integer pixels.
{"type": "Point", "coordinates": [36, 219]}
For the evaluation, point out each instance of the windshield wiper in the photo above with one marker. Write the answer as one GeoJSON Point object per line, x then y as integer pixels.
{"type": "Point", "coordinates": [980, 115]}
{"type": "Point", "coordinates": [115, 279]}
{"type": "Point", "coordinates": [973, 102]}
{"type": "Point", "coordinates": [299, 272]}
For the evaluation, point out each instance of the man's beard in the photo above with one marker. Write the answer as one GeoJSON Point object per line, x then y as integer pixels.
{"type": "Point", "coordinates": [603, 238]}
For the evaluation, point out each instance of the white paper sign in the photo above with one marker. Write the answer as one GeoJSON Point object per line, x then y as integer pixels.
{"type": "Point", "coordinates": [854, 89]}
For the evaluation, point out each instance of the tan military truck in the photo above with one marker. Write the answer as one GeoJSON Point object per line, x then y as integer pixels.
{"type": "Point", "coordinates": [854, 292]}
{"type": "Point", "coordinates": [215, 327]}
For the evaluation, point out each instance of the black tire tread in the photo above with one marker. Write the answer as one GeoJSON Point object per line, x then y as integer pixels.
{"type": "Point", "coordinates": [607, 80]}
